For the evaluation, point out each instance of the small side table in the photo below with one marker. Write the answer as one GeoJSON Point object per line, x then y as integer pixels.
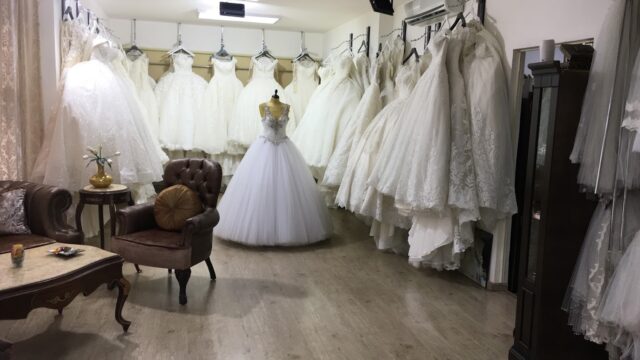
{"type": "Point", "coordinates": [114, 194]}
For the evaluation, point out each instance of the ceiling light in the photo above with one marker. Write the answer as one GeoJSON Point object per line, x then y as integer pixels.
{"type": "Point", "coordinates": [214, 15]}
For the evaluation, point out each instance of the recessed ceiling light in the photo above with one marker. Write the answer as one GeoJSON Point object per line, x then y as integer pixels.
{"type": "Point", "coordinates": [215, 15]}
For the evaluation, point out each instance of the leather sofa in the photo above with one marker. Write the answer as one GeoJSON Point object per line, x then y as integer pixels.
{"type": "Point", "coordinates": [142, 242]}
{"type": "Point", "coordinates": [45, 208]}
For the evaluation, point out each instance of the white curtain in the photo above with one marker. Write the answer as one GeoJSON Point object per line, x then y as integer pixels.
{"type": "Point", "coordinates": [21, 112]}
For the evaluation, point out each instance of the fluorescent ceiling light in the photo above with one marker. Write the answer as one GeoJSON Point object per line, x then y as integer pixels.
{"type": "Point", "coordinates": [215, 15]}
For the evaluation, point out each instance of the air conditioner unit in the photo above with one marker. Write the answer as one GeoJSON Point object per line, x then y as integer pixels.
{"type": "Point", "coordinates": [427, 12]}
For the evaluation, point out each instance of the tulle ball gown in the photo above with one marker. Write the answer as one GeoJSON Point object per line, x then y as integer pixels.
{"type": "Point", "coordinates": [272, 199]}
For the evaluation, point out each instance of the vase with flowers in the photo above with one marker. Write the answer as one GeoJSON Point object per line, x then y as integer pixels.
{"type": "Point", "coordinates": [101, 179]}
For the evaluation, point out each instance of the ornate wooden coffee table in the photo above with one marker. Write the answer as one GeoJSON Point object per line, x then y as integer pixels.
{"type": "Point", "coordinates": [48, 281]}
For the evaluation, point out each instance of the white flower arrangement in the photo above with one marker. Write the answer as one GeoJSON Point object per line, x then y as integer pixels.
{"type": "Point", "coordinates": [96, 155]}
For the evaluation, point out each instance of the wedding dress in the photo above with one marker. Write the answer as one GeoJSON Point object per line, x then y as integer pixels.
{"type": "Point", "coordinates": [619, 307]}
{"type": "Point", "coordinates": [272, 200]}
{"type": "Point", "coordinates": [305, 82]}
{"type": "Point", "coordinates": [593, 270]}
{"type": "Point", "coordinates": [245, 126]}
{"type": "Point", "coordinates": [139, 73]}
{"type": "Point", "coordinates": [179, 95]}
{"type": "Point", "coordinates": [632, 108]}
{"type": "Point", "coordinates": [365, 154]}
{"type": "Point", "coordinates": [438, 239]}
{"type": "Point", "coordinates": [360, 70]}
{"type": "Point", "coordinates": [491, 137]}
{"type": "Point", "coordinates": [329, 110]}
{"type": "Point", "coordinates": [424, 137]}
{"type": "Point", "coordinates": [211, 135]}
{"type": "Point", "coordinates": [610, 66]}
{"type": "Point", "coordinates": [98, 108]}
{"type": "Point", "coordinates": [368, 107]}
{"type": "Point", "coordinates": [388, 227]}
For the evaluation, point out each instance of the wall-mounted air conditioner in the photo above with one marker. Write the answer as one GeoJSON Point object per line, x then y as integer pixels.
{"type": "Point", "coordinates": [427, 12]}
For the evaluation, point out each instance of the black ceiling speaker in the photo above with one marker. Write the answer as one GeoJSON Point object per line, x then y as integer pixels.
{"type": "Point", "coordinates": [231, 9]}
{"type": "Point", "coordinates": [382, 6]}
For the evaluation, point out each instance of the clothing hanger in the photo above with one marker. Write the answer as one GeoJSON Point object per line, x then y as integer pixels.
{"type": "Point", "coordinates": [411, 53]}
{"type": "Point", "coordinates": [363, 47]}
{"type": "Point", "coordinates": [459, 18]}
{"type": "Point", "coordinates": [179, 49]}
{"type": "Point", "coordinates": [134, 51]}
{"type": "Point", "coordinates": [222, 54]}
{"type": "Point", "coordinates": [265, 51]}
{"type": "Point", "coordinates": [304, 53]}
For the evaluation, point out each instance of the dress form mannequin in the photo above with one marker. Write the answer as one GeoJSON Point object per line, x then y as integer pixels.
{"type": "Point", "coordinates": [276, 108]}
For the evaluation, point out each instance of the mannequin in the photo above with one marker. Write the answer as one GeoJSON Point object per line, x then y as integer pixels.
{"type": "Point", "coordinates": [275, 106]}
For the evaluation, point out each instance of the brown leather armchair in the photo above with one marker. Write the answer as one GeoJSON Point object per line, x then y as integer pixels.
{"type": "Point", "coordinates": [140, 241]}
{"type": "Point", "coordinates": [45, 208]}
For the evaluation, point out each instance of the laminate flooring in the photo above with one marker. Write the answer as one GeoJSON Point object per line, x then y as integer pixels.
{"type": "Point", "coordinates": [341, 299]}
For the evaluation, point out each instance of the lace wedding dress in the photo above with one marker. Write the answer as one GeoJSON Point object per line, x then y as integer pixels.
{"type": "Point", "coordinates": [305, 82]}
{"type": "Point", "coordinates": [328, 113]}
{"type": "Point", "coordinates": [217, 112]}
{"type": "Point", "coordinates": [245, 126]}
{"type": "Point", "coordinates": [138, 70]}
{"type": "Point", "coordinates": [179, 95]}
{"type": "Point", "coordinates": [98, 107]}
{"type": "Point", "coordinates": [424, 137]}
{"type": "Point", "coordinates": [272, 200]}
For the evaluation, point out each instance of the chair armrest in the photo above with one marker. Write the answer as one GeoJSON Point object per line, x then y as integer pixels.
{"type": "Point", "coordinates": [202, 222]}
{"type": "Point", "coordinates": [46, 213]}
{"type": "Point", "coordinates": [136, 218]}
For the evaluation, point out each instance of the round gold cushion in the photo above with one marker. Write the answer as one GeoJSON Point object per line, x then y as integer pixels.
{"type": "Point", "coordinates": [174, 205]}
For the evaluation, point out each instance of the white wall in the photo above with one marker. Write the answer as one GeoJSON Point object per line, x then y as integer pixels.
{"type": "Point", "coordinates": [356, 26]}
{"type": "Point", "coordinates": [238, 41]}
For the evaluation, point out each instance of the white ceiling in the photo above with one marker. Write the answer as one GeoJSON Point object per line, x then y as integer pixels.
{"type": "Point", "coordinates": [306, 15]}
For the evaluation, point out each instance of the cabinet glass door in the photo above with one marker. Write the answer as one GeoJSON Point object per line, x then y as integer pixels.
{"type": "Point", "coordinates": [538, 182]}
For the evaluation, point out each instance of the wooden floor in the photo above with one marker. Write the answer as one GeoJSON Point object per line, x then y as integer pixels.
{"type": "Point", "coordinates": [339, 300]}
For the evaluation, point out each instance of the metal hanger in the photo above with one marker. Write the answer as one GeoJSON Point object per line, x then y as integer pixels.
{"type": "Point", "coordinates": [134, 51]}
{"type": "Point", "coordinates": [265, 51]}
{"type": "Point", "coordinates": [459, 18]}
{"type": "Point", "coordinates": [222, 54]}
{"type": "Point", "coordinates": [304, 53]}
{"type": "Point", "coordinates": [179, 48]}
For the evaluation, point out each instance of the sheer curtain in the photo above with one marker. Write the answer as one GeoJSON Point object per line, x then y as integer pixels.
{"type": "Point", "coordinates": [21, 123]}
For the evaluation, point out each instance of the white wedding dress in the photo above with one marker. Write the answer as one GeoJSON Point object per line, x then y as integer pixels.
{"type": "Point", "coordinates": [368, 107]}
{"type": "Point", "coordinates": [327, 115]}
{"type": "Point", "coordinates": [139, 73]}
{"type": "Point", "coordinates": [245, 126]}
{"type": "Point", "coordinates": [218, 106]}
{"type": "Point", "coordinates": [305, 82]}
{"type": "Point", "coordinates": [272, 200]}
{"type": "Point", "coordinates": [98, 107]}
{"type": "Point", "coordinates": [491, 131]}
{"type": "Point", "coordinates": [424, 137]}
{"type": "Point", "coordinates": [179, 95]}
{"type": "Point", "coordinates": [360, 70]}
{"type": "Point", "coordinates": [609, 75]}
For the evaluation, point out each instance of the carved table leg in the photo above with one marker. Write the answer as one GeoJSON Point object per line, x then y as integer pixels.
{"type": "Point", "coordinates": [79, 209]}
{"type": "Point", "coordinates": [101, 225]}
{"type": "Point", "coordinates": [112, 214]}
{"type": "Point", "coordinates": [123, 291]}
